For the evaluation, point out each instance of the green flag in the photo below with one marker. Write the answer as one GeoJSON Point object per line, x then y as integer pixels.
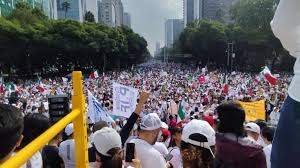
{"type": "Point", "coordinates": [181, 113]}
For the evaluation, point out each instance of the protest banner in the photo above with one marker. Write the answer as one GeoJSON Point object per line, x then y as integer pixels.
{"type": "Point", "coordinates": [125, 100]}
{"type": "Point", "coordinates": [254, 110]}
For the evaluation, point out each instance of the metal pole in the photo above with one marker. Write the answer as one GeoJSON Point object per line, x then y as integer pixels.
{"type": "Point", "coordinates": [227, 56]}
{"type": "Point", "coordinates": [165, 54]}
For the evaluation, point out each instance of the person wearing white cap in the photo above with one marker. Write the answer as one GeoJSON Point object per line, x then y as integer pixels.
{"type": "Point", "coordinates": [66, 148]}
{"type": "Point", "coordinates": [149, 130]}
{"type": "Point", "coordinates": [286, 146]}
{"type": "Point", "coordinates": [253, 131]}
{"type": "Point", "coordinates": [198, 139]}
{"type": "Point", "coordinates": [108, 145]}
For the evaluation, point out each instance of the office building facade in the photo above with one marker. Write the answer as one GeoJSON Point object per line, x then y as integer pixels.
{"type": "Point", "coordinates": [218, 10]}
{"type": "Point", "coordinates": [173, 28]}
{"type": "Point", "coordinates": [127, 19]}
{"type": "Point", "coordinates": [111, 12]}
{"type": "Point", "coordinates": [75, 11]}
{"type": "Point", "coordinates": [6, 6]}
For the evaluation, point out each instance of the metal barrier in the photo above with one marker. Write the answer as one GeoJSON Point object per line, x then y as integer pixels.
{"type": "Point", "coordinates": [77, 116]}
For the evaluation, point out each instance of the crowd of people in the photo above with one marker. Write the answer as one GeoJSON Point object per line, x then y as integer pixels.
{"type": "Point", "coordinates": [197, 89]}
{"type": "Point", "coordinates": [213, 132]}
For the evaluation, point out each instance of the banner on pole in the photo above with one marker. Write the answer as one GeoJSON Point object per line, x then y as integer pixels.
{"type": "Point", "coordinates": [254, 110]}
{"type": "Point", "coordinates": [96, 112]}
{"type": "Point", "coordinates": [125, 100]}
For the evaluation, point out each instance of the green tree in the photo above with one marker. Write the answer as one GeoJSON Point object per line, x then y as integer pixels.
{"type": "Point", "coordinates": [205, 40]}
{"type": "Point", "coordinates": [66, 6]}
{"type": "Point", "coordinates": [89, 17]}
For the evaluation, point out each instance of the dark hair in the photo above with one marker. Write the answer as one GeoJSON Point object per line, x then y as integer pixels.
{"type": "Point", "coordinates": [231, 117]}
{"type": "Point", "coordinates": [99, 125]}
{"type": "Point", "coordinates": [11, 128]}
{"type": "Point", "coordinates": [115, 160]}
{"type": "Point", "coordinates": [34, 125]}
{"type": "Point", "coordinates": [196, 156]}
{"type": "Point", "coordinates": [173, 131]}
{"type": "Point", "coordinates": [268, 133]}
{"type": "Point", "coordinates": [261, 123]}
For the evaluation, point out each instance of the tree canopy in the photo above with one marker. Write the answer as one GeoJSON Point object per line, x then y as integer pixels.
{"type": "Point", "coordinates": [253, 41]}
{"type": "Point", "coordinates": [30, 43]}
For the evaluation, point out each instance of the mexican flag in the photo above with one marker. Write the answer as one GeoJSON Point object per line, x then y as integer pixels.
{"type": "Point", "coordinates": [94, 75]}
{"type": "Point", "coordinates": [269, 76]}
{"type": "Point", "coordinates": [181, 113]}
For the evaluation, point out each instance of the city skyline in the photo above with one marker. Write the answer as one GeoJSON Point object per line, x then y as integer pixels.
{"type": "Point", "coordinates": [148, 18]}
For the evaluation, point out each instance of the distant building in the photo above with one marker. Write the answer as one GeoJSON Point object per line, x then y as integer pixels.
{"type": "Point", "coordinates": [173, 28]}
{"type": "Point", "coordinates": [50, 8]}
{"type": "Point", "coordinates": [127, 19]}
{"type": "Point", "coordinates": [75, 11]}
{"type": "Point", "coordinates": [188, 11]}
{"type": "Point", "coordinates": [110, 12]}
{"type": "Point", "coordinates": [207, 9]}
{"type": "Point", "coordinates": [210, 8]}
{"type": "Point", "coordinates": [224, 7]}
{"type": "Point", "coordinates": [157, 49]}
{"type": "Point", "coordinates": [6, 6]}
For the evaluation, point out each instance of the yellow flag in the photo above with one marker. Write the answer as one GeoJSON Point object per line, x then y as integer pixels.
{"type": "Point", "coordinates": [254, 110]}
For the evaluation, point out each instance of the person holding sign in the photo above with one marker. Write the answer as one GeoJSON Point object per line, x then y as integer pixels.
{"type": "Point", "coordinates": [125, 131]}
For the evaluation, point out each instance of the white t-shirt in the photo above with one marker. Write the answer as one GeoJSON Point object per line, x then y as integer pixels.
{"type": "Point", "coordinates": [35, 161]}
{"type": "Point", "coordinates": [161, 148]}
{"type": "Point", "coordinates": [148, 155]}
{"type": "Point", "coordinates": [267, 151]}
{"type": "Point", "coordinates": [67, 153]}
{"type": "Point", "coordinates": [176, 160]}
{"type": "Point", "coordinates": [285, 26]}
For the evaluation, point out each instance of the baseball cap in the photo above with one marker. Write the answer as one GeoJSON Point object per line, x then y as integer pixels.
{"type": "Point", "coordinates": [69, 129]}
{"type": "Point", "coordinates": [251, 126]}
{"type": "Point", "coordinates": [164, 125]}
{"type": "Point", "coordinates": [201, 127]}
{"type": "Point", "coordinates": [106, 139]}
{"type": "Point", "coordinates": [150, 122]}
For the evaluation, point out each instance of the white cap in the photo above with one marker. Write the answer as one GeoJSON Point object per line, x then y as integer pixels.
{"type": "Point", "coordinates": [150, 122]}
{"type": "Point", "coordinates": [69, 129]}
{"type": "Point", "coordinates": [164, 125]}
{"type": "Point", "coordinates": [199, 127]}
{"type": "Point", "coordinates": [106, 139]}
{"type": "Point", "coordinates": [251, 126]}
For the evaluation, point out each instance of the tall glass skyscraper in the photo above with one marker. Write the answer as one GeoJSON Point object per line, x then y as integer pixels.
{"type": "Point", "coordinates": [6, 6]}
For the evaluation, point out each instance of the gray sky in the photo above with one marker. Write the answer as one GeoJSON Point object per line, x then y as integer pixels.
{"type": "Point", "coordinates": [147, 17]}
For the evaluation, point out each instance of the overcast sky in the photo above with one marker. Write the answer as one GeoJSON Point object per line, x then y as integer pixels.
{"type": "Point", "coordinates": [147, 17]}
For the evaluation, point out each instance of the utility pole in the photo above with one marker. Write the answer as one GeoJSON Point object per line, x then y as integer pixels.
{"type": "Point", "coordinates": [230, 56]}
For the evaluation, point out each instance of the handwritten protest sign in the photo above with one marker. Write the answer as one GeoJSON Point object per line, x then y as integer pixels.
{"type": "Point", "coordinates": [254, 110]}
{"type": "Point", "coordinates": [124, 99]}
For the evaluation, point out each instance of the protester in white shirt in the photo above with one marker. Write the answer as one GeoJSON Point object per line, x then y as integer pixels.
{"type": "Point", "coordinates": [149, 129]}
{"type": "Point", "coordinates": [174, 150]}
{"type": "Point", "coordinates": [67, 148]}
{"type": "Point", "coordinates": [274, 116]}
{"type": "Point", "coordinates": [267, 135]}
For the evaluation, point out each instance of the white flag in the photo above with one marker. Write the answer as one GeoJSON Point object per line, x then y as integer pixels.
{"type": "Point", "coordinates": [124, 99]}
{"type": "Point", "coordinates": [96, 112]}
{"type": "Point", "coordinates": [65, 80]}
